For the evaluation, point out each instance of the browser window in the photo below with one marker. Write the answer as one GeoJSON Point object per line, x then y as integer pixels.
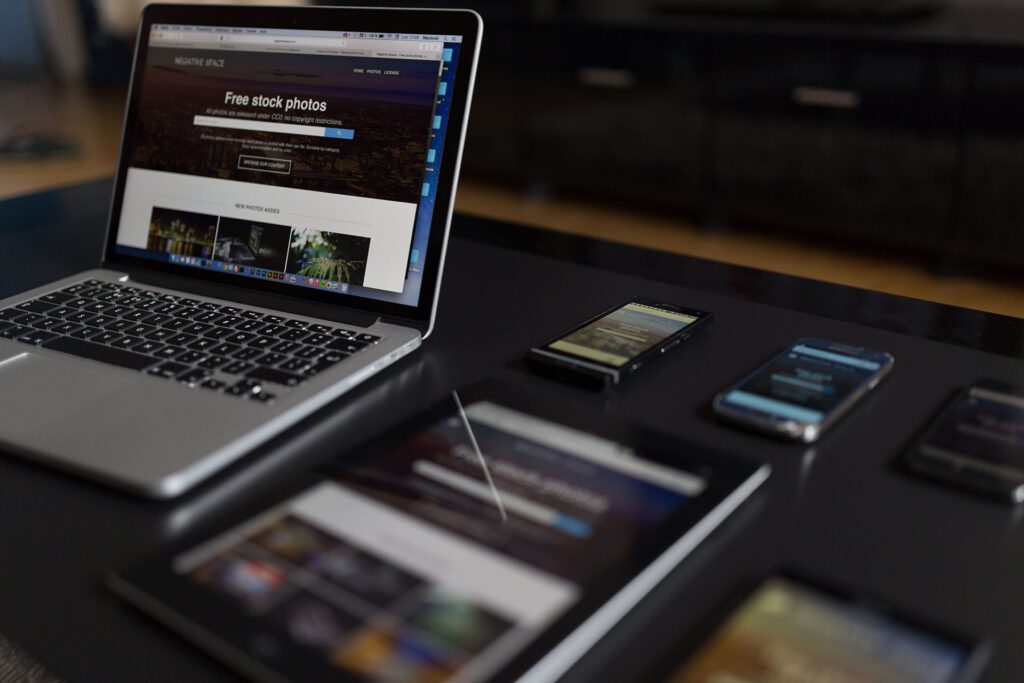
{"type": "Point", "coordinates": [304, 157]}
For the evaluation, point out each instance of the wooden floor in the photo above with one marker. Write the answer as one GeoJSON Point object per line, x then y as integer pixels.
{"type": "Point", "coordinates": [93, 120]}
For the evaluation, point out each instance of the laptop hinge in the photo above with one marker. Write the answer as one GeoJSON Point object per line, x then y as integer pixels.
{"type": "Point", "coordinates": [247, 297]}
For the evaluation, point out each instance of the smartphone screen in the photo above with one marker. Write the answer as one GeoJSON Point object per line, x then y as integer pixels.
{"type": "Point", "coordinates": [790, 631]}
{"type": "Point", "coordinates": [617, 337]}
{"type": "Point", "coordinates": [986, 427]}
{"type": "Point", "coordinates": [806, 382]}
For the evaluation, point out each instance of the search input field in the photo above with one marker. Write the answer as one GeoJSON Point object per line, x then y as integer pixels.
{"type": "Point", "coordinates": [273, 127]}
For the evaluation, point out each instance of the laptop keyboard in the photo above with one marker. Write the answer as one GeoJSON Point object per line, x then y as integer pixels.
{"type": "Point", "coordinates": [233, 350]}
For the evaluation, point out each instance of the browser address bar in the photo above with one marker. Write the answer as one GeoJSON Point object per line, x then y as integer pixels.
{"type": "Point", "coordinates": [274, 127]}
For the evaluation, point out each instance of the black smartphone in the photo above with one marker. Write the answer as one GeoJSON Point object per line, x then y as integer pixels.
{"type": "Point", "coordinates": [617, 343]}
{"type": "Point", "coordinates": [791, 629]}
{"type": "Point", "coordinates": [802, 391]}
{"type": "Point", "coordinates": [977, 442]}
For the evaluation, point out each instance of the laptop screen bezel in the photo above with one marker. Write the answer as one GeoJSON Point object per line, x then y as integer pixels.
{"type": "Point", "coordinates": [443, 22]}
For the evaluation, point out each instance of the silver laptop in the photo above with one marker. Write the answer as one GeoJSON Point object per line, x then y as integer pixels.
{"type": "Point", "coordinates": [277, 236]}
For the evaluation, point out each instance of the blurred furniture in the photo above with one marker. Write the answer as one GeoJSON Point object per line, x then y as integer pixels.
{"type": "Point", "coordinates": [888, 124]}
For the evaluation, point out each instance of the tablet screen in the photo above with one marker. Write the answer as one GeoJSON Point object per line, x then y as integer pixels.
{"type": "Point", "coordinates": [790, 632]}
{"type": "Point", "coordinates": [442, 556]}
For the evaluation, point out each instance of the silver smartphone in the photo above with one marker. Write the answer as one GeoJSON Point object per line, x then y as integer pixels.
{"type": "Point", "coordinates": [801, 392]}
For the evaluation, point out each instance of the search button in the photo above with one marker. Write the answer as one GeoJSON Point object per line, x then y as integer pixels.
{"type": "Point", "coordinates": [340, 133]}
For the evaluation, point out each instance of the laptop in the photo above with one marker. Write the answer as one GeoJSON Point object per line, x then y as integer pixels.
{"type": "Point", "coordinates": [277, 236]}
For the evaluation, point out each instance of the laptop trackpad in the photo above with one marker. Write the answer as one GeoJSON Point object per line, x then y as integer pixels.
{"type": "Point", "coordinates": [38, 390]}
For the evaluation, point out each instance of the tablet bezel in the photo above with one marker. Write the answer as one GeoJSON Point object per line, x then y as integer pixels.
{"type": "Point", "coordinates": [205, 617]}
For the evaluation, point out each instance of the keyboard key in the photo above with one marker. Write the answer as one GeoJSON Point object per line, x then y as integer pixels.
{"type": "Point", "coordinates": [213, 362]}
{"type": "Point", "coordinates": [194, 376]}
{"type": "Point", "coordinates": [208, 317]}
{"type": "Point", "coordinates": [294, 335]}
{"type": "Point", "coordinates": [239, 337]}
{"type": "Point", "coordinates": [11, 314]}
{"type": "Point", "coordinates": [169, 298]}
{"type": "Point", "coordinates": [155, 319]}
{"type": "Point", "coordinates": [273, 330]}
{"type": "Point", "coordinates": [86, 332]}
{"type": "Point", "coordinates": [213, 384]}
{"type": "Point", "coordinates": [104, 354]}
{"type": "Point", "coordinates": [321, 329]}
{"type": "Point", "coordinates": [367, 338]}
{"type": "Point", "coordinates": [55, 297]}
{"type": "Point", "coordinates": [59, 312]}
{"type": "Point", "coordinates": [186, 312]}
{"type": "Point", "coordinates": [247, 353]}
{"type": "Point", "coordinates": [209, 306]}
{"type": "Point", "coordinates": [191, 357]}
{"type": "Point", "coordinates": [251, 315]}
{"type": "Point", "coordinates": [346, 345]}
{"type": "Point", "coordinates": [126, 342]}
{"type": "Point", "coordinates": [309, 352]}
{"type": "Point", "coordinates": [249, 325]}
{"type": "Point", "coordinates": [36, 306]}
{"type": "Point", "coordinates": [118, 311]}
{"type": "Point", "coordinates": [318, 340]}
{"type": "Point", "coordinates": [218, 332]}
{"type": "Point", "coordinates": [181, 339]}
{"type": "Point", "coordinates": [189, 302]}
{"type": "Point", "coordinates": [177, 324]}
{"type": "Point", "coordinates": [148, 304]}
{"type": "Point", "coordinates": [94, 320]}
{"type": "Point", "coordinates": [159, 334]}
{"type": "Point", "coordinates": [296, 324]}
{"type": "Point", "coordinates": [230, 321]}
{"type": "Point", "coordinates": [295, 365]}
{"type": "Point", "coordinates": [271, 359]}
{"type": "Point", "coordinates": [273, 319]}
{"type": "Point", "coordinates": [169, 352]}
{"type": "Point", "coordinates": [286, 347]}
{"type": "Point", "coordinates": [196, 328]}
{"type": "Point", "coordinates": [135, 315]}
{"type": "Point", "coordinates": [74, 289]}
{"type": "Point", "coordinates": [96, 307]}
{"type": "Point", "coordinates": [168, 370]}
{"type": "Point", "coordinates": [202, 344]}
{"type": "Point", "coordinates": [139, 329]}
{"type": "Point", "coordinates": [168, 308]}
{"type": "Point", "coordinates": [106, 337]}
{"type": "Point", "coordinates": [148, 346]}
{"type": "Point", "coordinates": [15, 331]}
{"type": "Point", "coordinates": [225, 349]}
{"type": "Point", "coordinates": [318, 367]}
{"type": "Point", "coordinates": [36, 337]}
{"type": "Point", "coordinates": [117, 325]}
{"type": "Point", "coordinates": [47, 323]}
{"type": "Point", "coordinates": [275, 376]}
{"type": "Point", "coordinates": [28, 318]}
{"type": "Point", "coordinates": [230, 310]}
{"type": "Point", "coordinates": [65, 328]}
{"type": "Point", "coordinates": [79, 302]}
{"type": "Point", "coordinates": [347, 334]}
{"type": "Point", "coordinates": [237, 367]}
{"type": "Point", "coordinates": [262, 342]}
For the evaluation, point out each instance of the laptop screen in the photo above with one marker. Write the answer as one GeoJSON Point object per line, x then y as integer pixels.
{"type": "Point", "coordinates": [308, 158]}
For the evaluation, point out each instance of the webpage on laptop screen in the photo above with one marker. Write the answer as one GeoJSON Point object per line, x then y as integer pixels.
{"type": "Point", "coordinates": [305, 157]}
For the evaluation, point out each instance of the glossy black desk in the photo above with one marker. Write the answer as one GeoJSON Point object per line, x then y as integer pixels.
{"type": "Point", "coordinates": [837, 510]}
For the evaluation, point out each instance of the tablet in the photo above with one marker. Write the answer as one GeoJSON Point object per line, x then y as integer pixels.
{"type": "Point", "coordinates": [496, 536]}
{"type": "Point", "coordinates": [791, 629]}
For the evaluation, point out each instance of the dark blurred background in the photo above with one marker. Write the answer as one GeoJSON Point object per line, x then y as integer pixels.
{"type": "Point", "coordinates": [878, 143]}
